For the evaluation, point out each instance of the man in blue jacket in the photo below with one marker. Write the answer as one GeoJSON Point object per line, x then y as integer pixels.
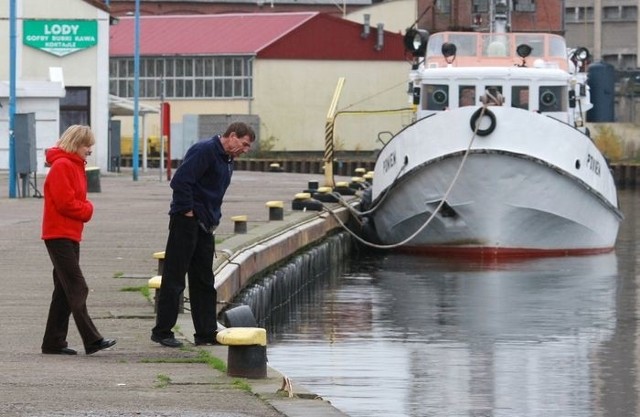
{"type": "Point", "coordinates": [198, 185]}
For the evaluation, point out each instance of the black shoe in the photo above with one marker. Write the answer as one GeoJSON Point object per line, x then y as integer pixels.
{"type": "Point", "coordinates": [99, 345]}
{"type": "Point", "coordinates": [61, 351]}
{"type": "Point", "coordinates": [201, 341]}
{"type": "Point", "coordinates": [171, 342]}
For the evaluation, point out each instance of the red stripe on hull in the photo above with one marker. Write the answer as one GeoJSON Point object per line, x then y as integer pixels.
{"type": "Point", "coordinates": [499, 253]}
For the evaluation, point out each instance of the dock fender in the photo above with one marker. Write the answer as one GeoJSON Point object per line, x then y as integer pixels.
{"type": "Point", "coordinates": [240, 316]}
{"type": "Point", "coordinates": [474, 119]}
{"type": "Point", "coordinates": [365, 199]}
{"type": "Point", "coordinates": [368, 231]}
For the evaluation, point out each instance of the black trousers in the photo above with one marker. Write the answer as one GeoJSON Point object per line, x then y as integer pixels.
{"type": "Point", "coordinates": [69, 297]}
{"type": "Point", "coordinates": [189, 252]}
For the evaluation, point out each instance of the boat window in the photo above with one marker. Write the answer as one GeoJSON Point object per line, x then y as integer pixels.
{"type": "Point", "coordinates": [435, 97]}
{"type": "Point", "coordinates": [536, 42]}
{"type": "Point", "coordinates": [467, 95]}
{"type": "Point", "coordinates": [552, 98]}
{"type": "Point", "coordinates": [520, 97]}
{"type": "Point", "coordinates": [465, 44]}
{"type": "Point", "coordinates": [557, 47]}
{"type": "Point", "coordinates": [496, 45]}
{"type": "Point", "coordinates": [494, 90]}
{"type": "Point", "coordinates": [434, 46]}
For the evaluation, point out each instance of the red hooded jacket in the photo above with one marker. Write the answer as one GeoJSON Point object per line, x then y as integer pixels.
{"type": "Point", "coordinates": [66, 208]}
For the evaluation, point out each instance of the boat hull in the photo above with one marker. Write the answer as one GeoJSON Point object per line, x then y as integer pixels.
{"type": "Point", "coordinates": [533, 186]}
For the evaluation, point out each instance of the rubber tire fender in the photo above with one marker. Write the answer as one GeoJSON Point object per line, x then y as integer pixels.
{"type": "Point", "coordinates": [240, 316]}
{"type": "Point", "coordinates": [474, 119]}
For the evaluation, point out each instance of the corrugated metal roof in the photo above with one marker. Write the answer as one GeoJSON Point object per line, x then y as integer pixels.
{"type": "Point", "coordinates": [220, 34]}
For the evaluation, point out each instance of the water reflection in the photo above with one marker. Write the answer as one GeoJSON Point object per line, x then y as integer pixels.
{"type": "Point", "coordinates": [412, 336]}
{"type": "Point", "coordinates": [499, 339]}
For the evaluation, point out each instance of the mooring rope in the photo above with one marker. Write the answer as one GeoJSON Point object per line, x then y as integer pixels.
{"type": "Point", "coordinates": [486, 99]}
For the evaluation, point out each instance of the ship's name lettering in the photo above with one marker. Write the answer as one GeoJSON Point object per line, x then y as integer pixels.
{"type": "Point", "coordinates": [389, 162]}
{"type": "Point", "coordinates": [593, 164]}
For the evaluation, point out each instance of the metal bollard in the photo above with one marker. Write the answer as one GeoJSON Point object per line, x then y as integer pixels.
{"type": "Point", "coordinates": [276, 211]}
{"type": "Point", "coordinates": [247, 354]}
{"type": "Point", "coordinates": [239, 224]}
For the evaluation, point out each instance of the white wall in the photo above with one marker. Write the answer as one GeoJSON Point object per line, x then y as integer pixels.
{"type": "Point", "coordinates": [42, 99]}
{"type": "Point", "coordinates": [88, 67]}
{"type": "Point", "coordinates": [293, 99]}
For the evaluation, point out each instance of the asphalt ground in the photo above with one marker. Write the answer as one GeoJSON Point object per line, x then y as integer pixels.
{"type": "Point", "coordinates": [136, 377]}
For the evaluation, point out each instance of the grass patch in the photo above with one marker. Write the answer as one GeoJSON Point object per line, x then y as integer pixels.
{"type": "Point", "coordinates": [203, 357]}
{"type": "Point", "coordinates": [242, 384]}
{"type": "Point", "coordinates": [212, 361]}
{"type": "Point", "coordinates": [162, 381]}
{"type": "Point", "coordinates": [143, 289]}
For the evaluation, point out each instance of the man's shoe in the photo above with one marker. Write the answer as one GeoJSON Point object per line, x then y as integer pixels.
{"type": "Point", "coordinates": [100, 345]}
{"type": "Point", "coordinates": [61, 351]}
{"type": "Point", "coordinates": [171, 342]}
{"type": "Point", "coordinates": [202, 341]}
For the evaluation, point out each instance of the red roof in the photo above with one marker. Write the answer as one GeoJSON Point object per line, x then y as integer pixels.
{"type": "Point", "coordinates": [304, 35]}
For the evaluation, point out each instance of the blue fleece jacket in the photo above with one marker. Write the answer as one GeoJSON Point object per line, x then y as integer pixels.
{"type": "Point", "coordinates": [201, 180]}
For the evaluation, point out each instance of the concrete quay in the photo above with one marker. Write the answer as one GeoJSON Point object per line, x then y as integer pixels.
{"type": "Point", "coordinates": [138, 377]}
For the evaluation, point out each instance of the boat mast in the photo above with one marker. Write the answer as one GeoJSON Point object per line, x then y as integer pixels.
{"type": "Point", "coordinates": [500, 17]}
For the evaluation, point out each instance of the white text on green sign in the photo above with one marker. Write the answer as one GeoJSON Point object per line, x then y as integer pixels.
{"type": "Point", "coordinates": [60, 37]}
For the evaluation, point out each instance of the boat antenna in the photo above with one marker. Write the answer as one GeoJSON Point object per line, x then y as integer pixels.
{"type": "Point", "coordinates": [431, 6]}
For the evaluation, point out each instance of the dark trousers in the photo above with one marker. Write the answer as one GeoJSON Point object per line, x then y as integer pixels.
{"type": "Point", "coordinates": [189, 252]}
{"type": "Point", "coordinates": [70, 293]}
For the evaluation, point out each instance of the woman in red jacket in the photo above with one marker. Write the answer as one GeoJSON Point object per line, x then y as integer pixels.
{"type": "Point", "coordinates": [66, 210]}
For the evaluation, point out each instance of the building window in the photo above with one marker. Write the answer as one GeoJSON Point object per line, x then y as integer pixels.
{"type": "Point", "coordinates": [611, 13]}
{"type": "Point", "coordinates": [524, 5]}
{"type": "Point", "coordinates": [611, 59]}
{"type": "Point", "coordinates": [199, 77]}
{"type": "Point", "coordinates": [628, 61]}
{"type": "Point", "coordinates": [585, 14]}
{"type": "Point", "coordinates": [75, 107]}
{"type": "Point", "coordinates": [480, 6]}
{"type": "Point", "coordinates": [630, 13]}
{"type": "Point", "coordinates": [443, 6]}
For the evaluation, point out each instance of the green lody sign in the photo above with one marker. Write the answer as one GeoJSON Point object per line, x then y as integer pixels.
{"type": "Point", "coordinates": [60, 37]}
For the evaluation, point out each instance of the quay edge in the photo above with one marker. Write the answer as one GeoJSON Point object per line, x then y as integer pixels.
{"type": "Point", "coordinates": [240, 258]}
{"type": "Point", "coordinates": [243, 256]}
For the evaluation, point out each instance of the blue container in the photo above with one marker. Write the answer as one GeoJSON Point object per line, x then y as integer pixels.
{"type": "Point", "coordinates": [601, 82]}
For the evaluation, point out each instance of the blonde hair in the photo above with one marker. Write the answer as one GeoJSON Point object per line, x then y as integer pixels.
{"type": "Point", "coordinates": [76, 136]}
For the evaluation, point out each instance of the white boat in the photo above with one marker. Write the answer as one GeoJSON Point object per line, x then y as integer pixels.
{"type": "Point", "coordinates": [497, 161]}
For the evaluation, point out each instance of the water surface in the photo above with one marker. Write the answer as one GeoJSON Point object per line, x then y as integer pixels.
{"type": "Point", "coordinates": [399, 335]}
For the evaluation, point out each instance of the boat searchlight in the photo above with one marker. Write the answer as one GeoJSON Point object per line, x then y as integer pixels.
{"type": "Point", "coordinates": [415, 41]}
{"type": "Point", "coordinates": [581, 54]}
{"type": "Point", "coordinates": [449, 51]}
{"type": "Point", "coordinates": [580, 58]}
{"type": "Point", "coordinates": [523, 50]}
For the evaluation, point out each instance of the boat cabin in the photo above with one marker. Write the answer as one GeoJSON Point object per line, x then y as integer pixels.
{"type": "Point", "coordinates": [529, 71]}
{"type": "Point", "coordinates": [474, 49]}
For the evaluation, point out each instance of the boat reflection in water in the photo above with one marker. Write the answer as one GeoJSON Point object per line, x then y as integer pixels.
{"type": "Point", "coordinates": [415, 336]}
